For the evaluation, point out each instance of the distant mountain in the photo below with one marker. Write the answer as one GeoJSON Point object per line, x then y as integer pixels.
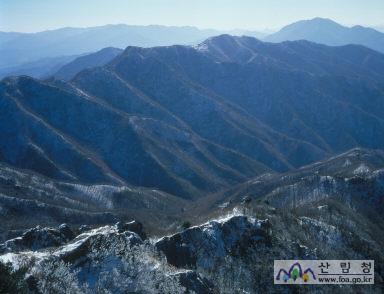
{"type": "Point", "coordinates": [8, 36]}
{"type": "Point", "coordinates": [99, 58]}
{"type": "Point", "coordinates": [21, 48]}
{"type": "Point", "coordinates": [379, 28]}
{"type": "Point", "coordinates": [62, 67]}
{"type": "Point", "coordinates": [41, 68]}
{"type": "Point", "coordinates": [328, 32]}
{"type": "Point", "coordinates": [239, 32]}
{"type": "Point", "coordinates": [196, 120]}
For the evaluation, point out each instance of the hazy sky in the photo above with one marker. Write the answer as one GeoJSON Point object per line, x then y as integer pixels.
{"type": "Point", "coordinates": [37, 15]}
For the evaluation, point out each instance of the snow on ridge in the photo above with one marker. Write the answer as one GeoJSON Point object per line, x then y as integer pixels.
{"type": "Point", "coordinates": [98, 193]}
{"type": "Point", "coordinates": [107, 189]}
{"type": "Point", "coordinates": [361, 170]}
{"type": "Point", "coordinates": [203, 47]}
{"type": "Point", "coordinates": [236, 212]}
{"type": "Point", "coordinates": [378, 173]}
{"type": "Point", "coordinates": [16, 259]}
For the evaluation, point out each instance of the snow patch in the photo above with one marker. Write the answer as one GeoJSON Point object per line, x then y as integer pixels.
{"type": "Point", "coordinates": [361, 170]}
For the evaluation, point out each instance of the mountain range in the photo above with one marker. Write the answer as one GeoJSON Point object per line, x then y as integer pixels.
{"type": "Point", "coordinates": [41, 68]}
{"type": "Point", "coordinates": [212, 159]}
{"type": "Point", "coordinates": [42, 54]}
{"type": "Point", "coordinates": [17, 49]}
{"type": "Point", "coordinates": [194, 120]}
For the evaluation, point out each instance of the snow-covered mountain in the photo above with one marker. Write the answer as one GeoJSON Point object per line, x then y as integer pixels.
{"type": "Point", "coordinates": [213, 160]}
{"type": "Point", "coordinates": [235, 252]}
{"type": "Point", "coordinates": [192, 121]}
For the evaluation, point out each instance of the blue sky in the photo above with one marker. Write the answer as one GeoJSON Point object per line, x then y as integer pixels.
{"type": "Point", "coordinates": [37, 15]}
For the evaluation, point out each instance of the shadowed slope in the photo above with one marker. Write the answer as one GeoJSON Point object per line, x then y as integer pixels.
{"type": "Point", "coordinates": [195, 120]}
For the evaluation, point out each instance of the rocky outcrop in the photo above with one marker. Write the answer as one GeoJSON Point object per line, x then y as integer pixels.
{"type": "Point", "coordinates": [172, 264]}
{"type": "Point", "coordinates": [201, 246]}
{"type": "Point", "coordinates": [133, 226]}
{"type": "Point", "coordinates": [39, 238]}
{"type": "Point", "coordinates": [227, 255]}
{"type": "Point", "coordinates": [193, 282]}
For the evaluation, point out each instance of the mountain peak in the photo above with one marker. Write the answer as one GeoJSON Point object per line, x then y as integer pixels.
{"type": "Point", "coordinates": [317, 23]}
{"type": "Point", "coordinates": [217, 40]}
{"type": "Point", "coordinates": [229, 48]}
{"type": "Point", "coordinates": [224, 39]}
{"type": "Point", "coordinates": [328, 32]}
{"type": "Point", "coordinates": [321, 20]}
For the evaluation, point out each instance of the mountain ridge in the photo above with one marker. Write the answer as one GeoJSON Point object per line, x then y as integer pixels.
{"type": "Point", "coordinates": [99, 58]}
{"type": "Point", "coordinates": [45, 47]}
{"type": "Point", "coordinates": [18, 48]}
{"type": "Point", "coordinates": [165, 102]}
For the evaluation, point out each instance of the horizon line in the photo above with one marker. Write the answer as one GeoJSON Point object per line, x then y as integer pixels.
{"type": "Point", "coordinates": [258, 30]}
